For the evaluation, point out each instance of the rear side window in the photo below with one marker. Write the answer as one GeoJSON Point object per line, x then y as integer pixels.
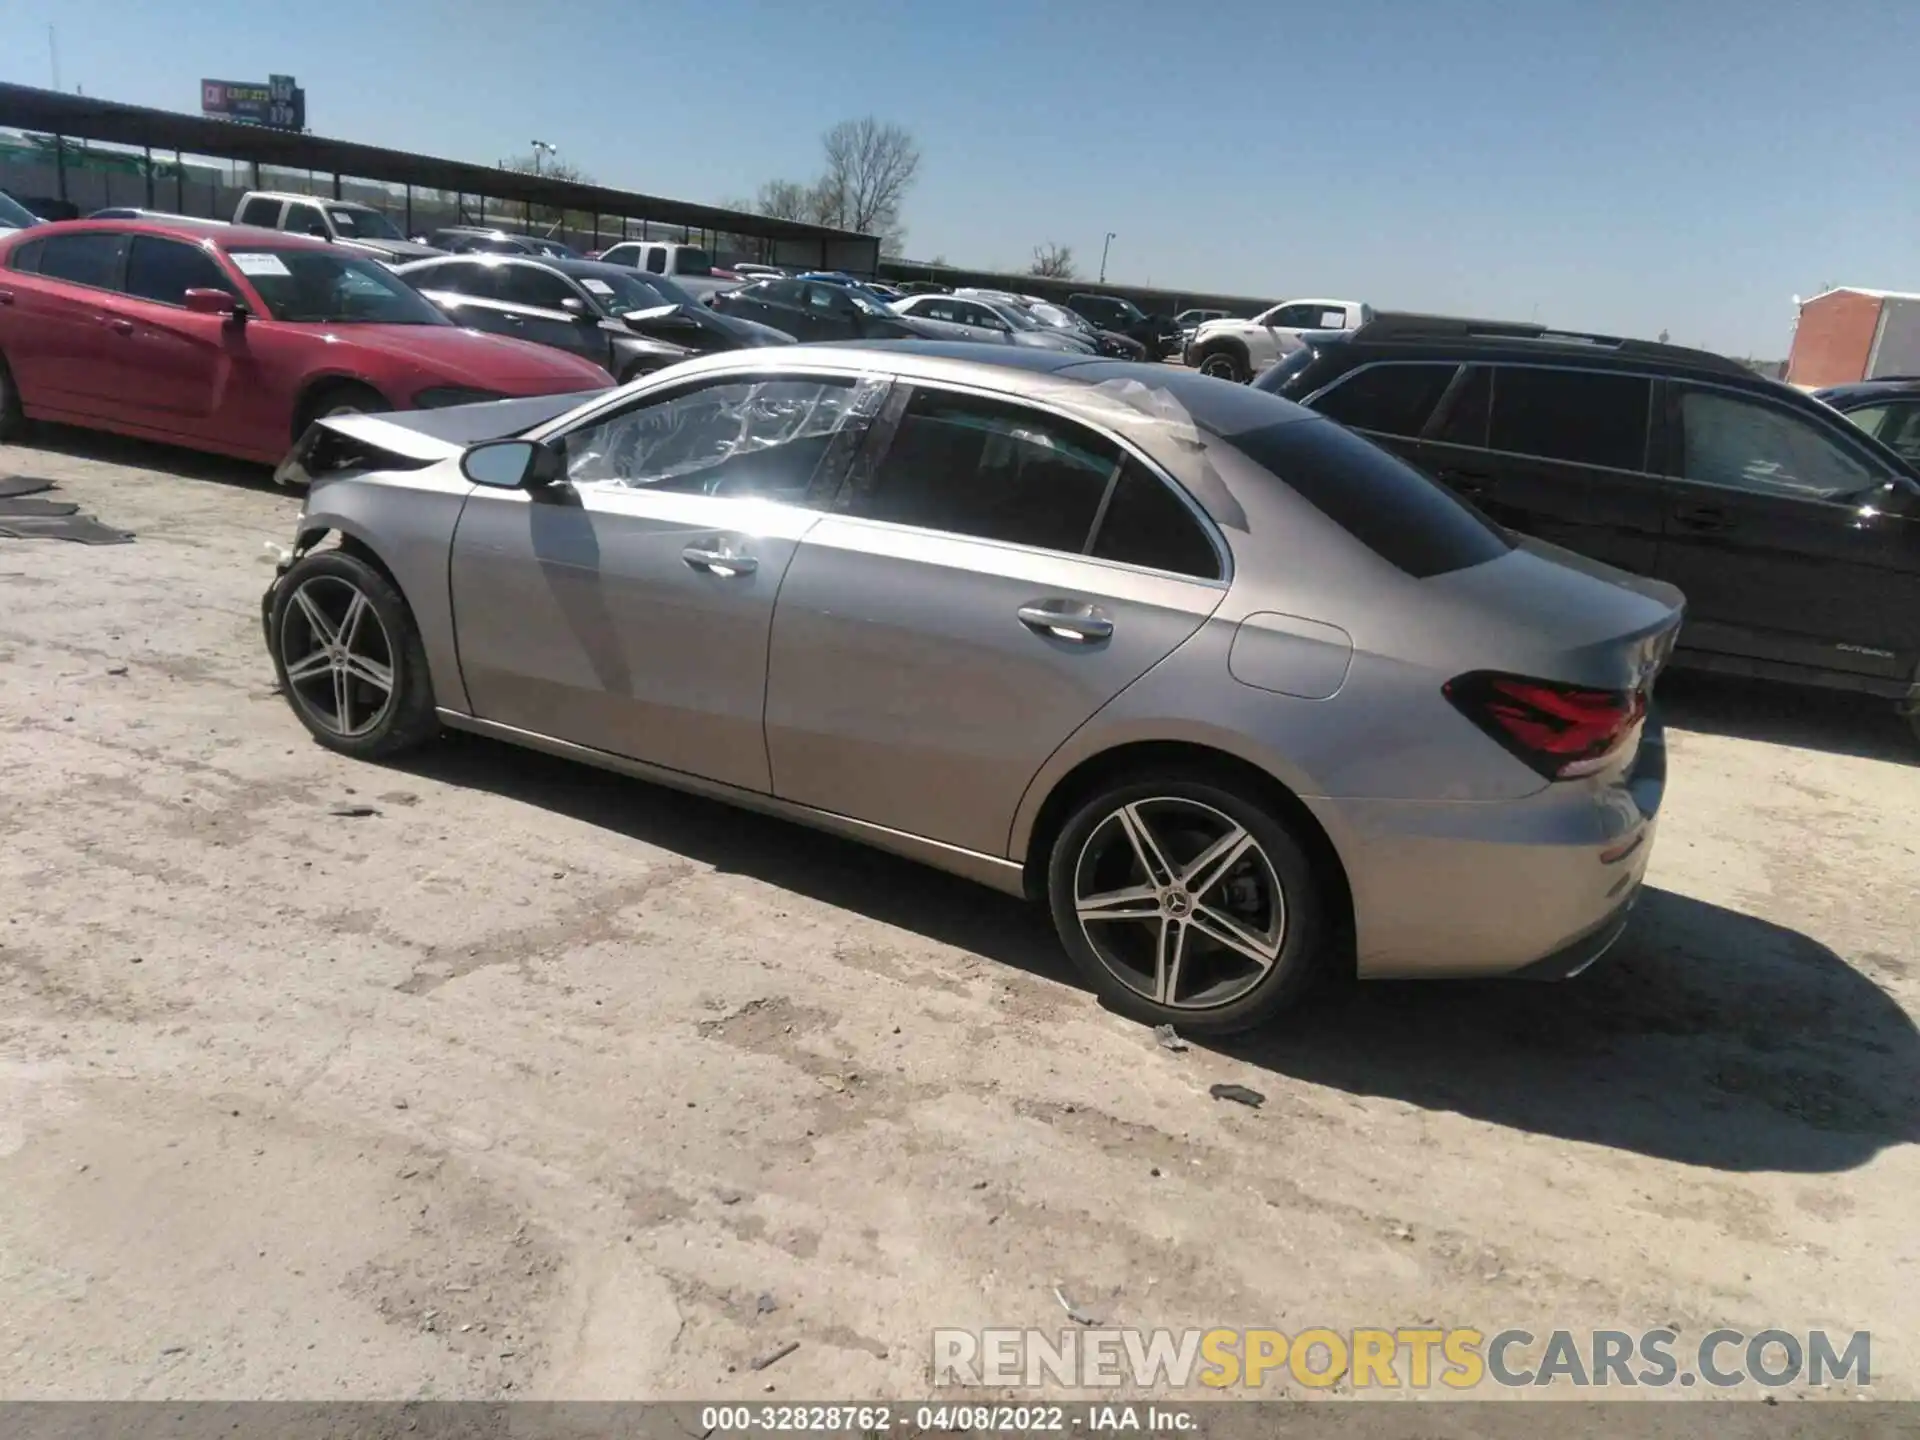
{"type": "Point", "coordinates": [1465, 419]}
{"type": "Point", "coordinates": [89, 259]}
{"type": "Point", "coordinates": [1392, 399]}
{"type": "Point", "coordinates": [306, 220]}
{"type": "Point", "coordinates": [1145, 523]}
{"type": "Point", "coordinates": [164, 270]}
{"type": "Point", "coordinates": [1589, 417]}
{"type": "Point", "coordinates": [990, 470]}
{"type": "Point", "coordinates": [258, 211]}
{"type": "Point", "coordinates": [1382, 501]}
{"type": "Point", "coordinates": [26, 257]}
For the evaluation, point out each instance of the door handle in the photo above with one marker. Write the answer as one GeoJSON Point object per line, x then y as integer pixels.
{"type": "Point", "coordinates": [723, 563]}
{"type": "Point", "coordinates": [6, 297]}
{"type": "Point", "coordinates": [1065, 620]}
{"type": "Point", "coordinates": [514, 319]}
{"type": "Point", "coordinates": [119, 327]}
{"type": "Point", "coordinates": [1703, 517]}
{"type": "Point", "coordinates": [1468, 482]}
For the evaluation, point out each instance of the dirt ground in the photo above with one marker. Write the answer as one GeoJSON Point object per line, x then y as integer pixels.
{"type": "Point", "coordinates": [539, 1082]}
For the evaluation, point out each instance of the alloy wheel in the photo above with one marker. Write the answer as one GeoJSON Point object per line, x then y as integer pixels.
{"type": "Point", "coordinates": [1220, 367]}
{"type": "Point", "coordinates": [1180, 902]}
{"type": "Point", "coordinates": [337, 656]}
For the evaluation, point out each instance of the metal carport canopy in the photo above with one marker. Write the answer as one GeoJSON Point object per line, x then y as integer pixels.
{"type": "Point", "coordinates": [81, 117]}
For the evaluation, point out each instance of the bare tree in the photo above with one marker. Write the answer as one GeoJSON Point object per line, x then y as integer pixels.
{"type": "Point", "coordinates": [1053, 261]}
{"type": "Point", "coordinates": [547, 168]}
{"type": "Point", "coordinates": [871, 164]}
{"type": "Point", "coordinates": [786, 200]}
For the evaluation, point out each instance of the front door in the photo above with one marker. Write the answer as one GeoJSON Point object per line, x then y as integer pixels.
{"type": "Point", "coordinates": [958, 617]}
{"type": "Point", "coordinates": [779, 303]}
{"type": "Point", "coordinates": [535, 301]}
{"type": "Point", "coordinates": [628, 610]}
{"type": "Point", "coordinates": [1783, 540]}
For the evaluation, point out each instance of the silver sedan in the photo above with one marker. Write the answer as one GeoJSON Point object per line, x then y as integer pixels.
{"type": "Point", "coordinates": [1243, 699]}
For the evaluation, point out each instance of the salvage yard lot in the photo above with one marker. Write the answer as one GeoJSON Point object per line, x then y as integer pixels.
{"type": "Point", "coordinates": [536, 1081]}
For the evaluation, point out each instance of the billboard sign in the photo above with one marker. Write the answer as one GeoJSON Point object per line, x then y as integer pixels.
{"type": "Point", "coordinates": [278, 104]}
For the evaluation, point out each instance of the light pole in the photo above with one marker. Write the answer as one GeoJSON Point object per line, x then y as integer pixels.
{"type": "Point", "coordinates": [541, 147]}
{"type": "Point", "coordinates": [1111, 237]}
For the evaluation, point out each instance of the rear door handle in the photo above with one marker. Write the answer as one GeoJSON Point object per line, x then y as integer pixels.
{"type": "Point", "coordinates": [119, 327]}
{"type": "Point", "coordinates": [1065, 620]}
{"type": "Point", "coordinates": [723, 563]}
{"type": "Point", "coordinates": [1703, 517]}
{"type": "Point", "coordinates": [6, 297]}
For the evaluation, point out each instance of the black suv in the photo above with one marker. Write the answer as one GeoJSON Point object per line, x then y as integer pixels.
{"type": "Point", "coordinates": [1158, 333]}
{"type": "Point", "coordinates": [1794, 534]}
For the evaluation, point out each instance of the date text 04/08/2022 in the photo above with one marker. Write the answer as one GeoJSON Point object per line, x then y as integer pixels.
{"type": "Point", "coordinates": [977, 1418]}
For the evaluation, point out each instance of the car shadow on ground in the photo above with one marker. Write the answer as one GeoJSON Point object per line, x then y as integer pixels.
{"type": "Point", "coordinates": [1707, 1036]}
{"type": "Point", "coordinates": [1866, 726]}
{"type": "Point", "coordinates": [108, 449]}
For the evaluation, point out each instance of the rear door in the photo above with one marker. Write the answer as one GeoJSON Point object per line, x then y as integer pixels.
{"type": "Point", "coordinates": [1567, 460]}
{"type": "Point", "coordinates": [629, 610]}
{"type": "Point", "coordinates": [1778, 532]}
{"type": "Point", "coordinates": [958, 615]}
{"type": "Point", "coordinates": [175, 369]}
{"type": "Point", "coordinates": [66, 337]}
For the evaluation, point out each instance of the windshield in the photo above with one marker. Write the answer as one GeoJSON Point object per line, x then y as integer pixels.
{"type": "Point", "coordinates": [1055, 318]}
{"type": "Point", "coordinates": [1128, 309]}
{"type": "Point", "coordinates": [315, 287]}
{"type": "Point", "coordinates": [363, 224]}
{"type": "Point", "coordinates": [15, 215]}
{"type": "Point", "coordinates": [557, 250]}
{"type": "Point", "coordinates": [620, 293]}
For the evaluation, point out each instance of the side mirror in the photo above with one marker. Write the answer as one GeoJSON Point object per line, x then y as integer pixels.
{"type": "Point", "coordinates": [577, 308]}
{"type": "Point", "coordinates": [513, 465]}
{"type": "Point", "coordinates": [209, 301]}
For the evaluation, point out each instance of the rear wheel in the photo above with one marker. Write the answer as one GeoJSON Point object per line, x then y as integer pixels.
{"type": "Point", "coordinates": [1224, 365]}
{"type": "Point", "coordinates": [13, 420]}
{"type": "Point", "coordinates": [349, 658]}
{"type": "Point", "coordinates": [1186, 904]}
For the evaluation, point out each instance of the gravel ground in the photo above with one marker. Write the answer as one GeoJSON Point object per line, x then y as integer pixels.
{"type": "Point", "coordinates": [539, 1082]}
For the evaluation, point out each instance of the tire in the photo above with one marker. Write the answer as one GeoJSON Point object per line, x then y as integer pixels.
{"type": "Point", "coordinates": [376, 726]}
{"type": "Point", "coordinates": [1910, 706]}
{"type": "Point", "coordinates": [13, 420]}
{"type": "Point", "coordinates": [1224, 365]}
{"type": "Point", "coordinates": [1217, 989]}
{"type": "Point", "coordinates": [346, 398]}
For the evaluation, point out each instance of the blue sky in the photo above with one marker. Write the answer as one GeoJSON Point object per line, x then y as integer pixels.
{"type": "Point", "coordinates": [1628, 166]}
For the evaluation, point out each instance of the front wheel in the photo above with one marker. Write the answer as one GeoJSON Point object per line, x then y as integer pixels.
{"type": "Point", "coordinates": [1185, 904]}
{"type": "Point", "coordinates": [1224, 365]}
{"type": "Point", "coordinates": [348, 657]}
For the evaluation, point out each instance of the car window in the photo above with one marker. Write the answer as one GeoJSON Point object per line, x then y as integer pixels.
{"type": "Point", "coordinates": [1297, 317]}
{"type": "Point", "coordinates": [779, 292]}
{"type": "Point", "coordinates": [828, 299]}
{"type": "Point", "coordinates": [26, 258]}
{"type": "Point", "coordinates": [764, 438]}
{"type": "Point", "coordinates": [305, 220]}
{"type": "Point", "coordinates": [1894, 423]}
{"type": "Point", "coordinates": [164, 270]}
{"type": "Point", "coordinates": [260, 211]}
{"type": "Point", "coordinates": [1745, 444]}
{"type": "Point", "coordinates": [1586, 416]}
{"type": "Point", "coordinates": [1467, 411]}
{"type": "Point", "coordinates": [530, 285]}
{"type": "Point", "coordinates": [981, 316]}
{"type": "Point", "coordinates": [89, 259]}
{"type": "Point", "coordinates": [1379, 499]}
{"type": "Point", "coordinates": [460, 277]}
{"type": "Point", "coordinates": [657, 260]}
{"type": "Point", "coordinates": [1392, 399]}
{"type": "Point", "coordinates": [992, 470]}
{"type": "Point", "coordinates": [1145, 523]}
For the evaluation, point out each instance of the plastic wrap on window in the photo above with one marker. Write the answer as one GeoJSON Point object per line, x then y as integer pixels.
{"type": "Point", "coordinates": [676, 439]}
{"type": "Point", "coordinates": [1130, 407]}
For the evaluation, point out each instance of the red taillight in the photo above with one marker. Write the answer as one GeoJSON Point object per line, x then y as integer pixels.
{"type": "Point", "coordinates": [1562, 731]}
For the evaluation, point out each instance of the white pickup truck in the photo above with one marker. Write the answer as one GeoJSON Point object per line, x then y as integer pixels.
{"type": "Point", "coordinates": [344, 222]}
{"type": "Point", "coordinates": [1241, 349]}
{"type": "Point", "coordinates": [689, 266]}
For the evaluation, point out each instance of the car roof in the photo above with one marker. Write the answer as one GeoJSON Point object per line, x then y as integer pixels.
{"type": "Point", "coordinates": [1404, 335]}
{"type": "Point", "coordinates": [322, 200]}
{"type": "Point", "coordinates": [226, 236]}
{"type": "Point", "coordinates": [1887, 387]}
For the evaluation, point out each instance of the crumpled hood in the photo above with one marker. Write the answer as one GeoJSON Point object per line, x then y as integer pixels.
{"type": "Point", "coordinates": [447, 354]}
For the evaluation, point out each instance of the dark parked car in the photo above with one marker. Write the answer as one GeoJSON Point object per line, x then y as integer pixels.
{"type": "Point", "coordinates": [627, 323]}
{"type": "Point", "coordinates": [1794, 534]}
{"type": "Point", "coordinates": [1157, 333]}
{"type": "Point", "coordinates": [819, 310]}
{"type": "Point", "coordinates": [1887, 409]}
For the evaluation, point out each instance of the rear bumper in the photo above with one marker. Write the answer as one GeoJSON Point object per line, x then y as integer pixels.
{"type": "Point", "coordinates": [1540, 886]}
